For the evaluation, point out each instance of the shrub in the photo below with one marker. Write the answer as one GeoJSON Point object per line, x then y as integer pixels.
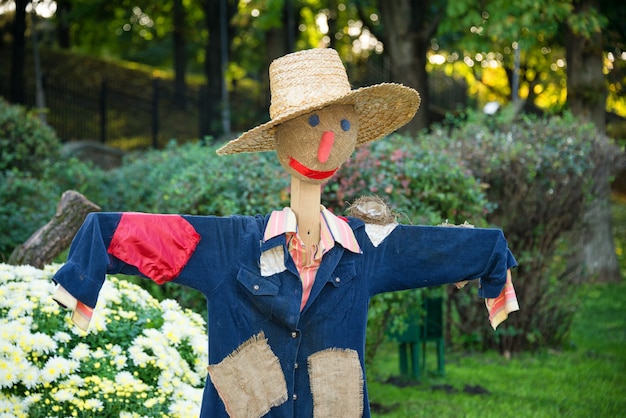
{"type": "Point", "coordinates": [540, 173]}
{"type": "Point", "coordinates": [140, 358]}
{"type": "Point", "coordinates": [192, 179]}
{"type": "Point", "coordinates": [26, 142]}
{"type": "Point", "coordinates": [423, 185]}
{"type": "Point", "coordinates": [33, 175]}
{"type": "Point", "coordinates": [28, 201]}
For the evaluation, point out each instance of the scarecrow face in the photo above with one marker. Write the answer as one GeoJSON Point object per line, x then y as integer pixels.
{"type": "Point", "coordinates": [313, 146]}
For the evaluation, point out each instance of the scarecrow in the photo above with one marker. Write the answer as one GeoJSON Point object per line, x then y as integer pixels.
{"type": "Point", "coordinates": [288, 293]}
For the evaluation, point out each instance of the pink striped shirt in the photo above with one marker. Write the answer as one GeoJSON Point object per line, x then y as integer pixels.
{"type": "Point", "coordinates": [307, 260]}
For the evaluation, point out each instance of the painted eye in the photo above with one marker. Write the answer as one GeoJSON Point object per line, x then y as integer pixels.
{"type": "Point", "coordinates": [345, 124]}
{"type": "Point", "coordinates": [314, 120]}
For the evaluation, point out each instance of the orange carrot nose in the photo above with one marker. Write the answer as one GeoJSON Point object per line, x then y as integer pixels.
{"type": "Point", "coordinates": [326, 145]}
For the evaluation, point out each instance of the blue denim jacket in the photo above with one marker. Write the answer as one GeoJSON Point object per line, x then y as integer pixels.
{"type": "Point", "coordinates": [256, 319]}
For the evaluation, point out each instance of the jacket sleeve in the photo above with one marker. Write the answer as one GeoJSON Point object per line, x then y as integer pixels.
{"type": "Point", "coordinates": [195, 251]}
{"type": "Point", "coordinates": [423, 256]}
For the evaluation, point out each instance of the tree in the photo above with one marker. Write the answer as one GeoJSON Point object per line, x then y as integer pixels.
{"type": "Point", "coordinates": [586, 84]}
{"type": "Point", "coordinates": [62, 14]}
{"type": "Point", "coordinates": [517, 38]}
{"type": "Point", "coordinates": [217, 15]}
{"type": "Point", "coordinates": [541, 31]}
{"type": "Point", "coordinates": [586, 96]}
{"type": "Point", "coordinates": [408, 27]}
{"type": "Point", "coordinates": [18, 52]}
{"type": "Point", "coordinates": [180, 53]}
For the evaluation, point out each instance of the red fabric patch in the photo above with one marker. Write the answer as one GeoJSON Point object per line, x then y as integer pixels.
{"type": "Point", "coordinates": [158, 245]}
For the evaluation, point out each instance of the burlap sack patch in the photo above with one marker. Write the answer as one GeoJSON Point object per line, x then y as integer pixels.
{"type": "Point", "coordinates": [250, 380]}
{"type": "Point", "coordinates": [336, 383]}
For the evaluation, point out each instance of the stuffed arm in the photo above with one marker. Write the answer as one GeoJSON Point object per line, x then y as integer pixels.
{"type": "Point", "coordinates": [404, 257]}
{"type": "Point", "coordinates": [153, 246]}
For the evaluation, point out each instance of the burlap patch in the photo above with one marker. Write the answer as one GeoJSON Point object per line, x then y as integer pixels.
{"type": "Point", "coordinates": [336, 383]}
{"type": "Point", "coordinates": [250, 380]}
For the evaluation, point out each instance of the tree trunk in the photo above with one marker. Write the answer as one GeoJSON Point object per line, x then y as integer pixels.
{"type": "Point", "coordinates": [586, 85]}
{"type": "Point", "coordinates": [180, 54]}
{"type": "Point", "coordinates": [586, 97]}
{"type": "Point", "coordinates": [408, 31]}
{"type": "Point", "coordinates": [63, 23]}
{"type": "Point", "coordinates": [213, 67]}
{"type": "Point", "coordinates": [18, 53]}
{"type": "Point", "coordinates": [278, 42]}
{"type": "Point", "coordinates": [54, 237]}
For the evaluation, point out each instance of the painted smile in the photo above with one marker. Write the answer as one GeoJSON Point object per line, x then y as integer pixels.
{"type": "Point", "coordinates": [309, 173]}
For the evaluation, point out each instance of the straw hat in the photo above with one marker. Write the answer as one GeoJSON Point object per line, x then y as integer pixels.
{"type": "Point", "coordinates": [309, 80]}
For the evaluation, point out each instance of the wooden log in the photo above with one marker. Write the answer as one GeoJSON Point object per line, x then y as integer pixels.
{"type": "Point", "coordinates": [54, 237]}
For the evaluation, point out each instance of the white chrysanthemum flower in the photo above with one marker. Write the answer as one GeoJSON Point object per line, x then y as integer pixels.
{"type": "Point", "coordinates": [8, 374]}
{"type": "Point", "coordinates": [80, 352]}
{"type": "Point", "coordinates": [57, 367]}
{"type": "Point", "coordinates": [11, 352]}
{"type": "Point", "coordinates": [173, 332]}
{"type": "Point", "coordinates": [138, 356]}
{"type": "Point", "coordinates": [110, 293]}
{"type": "Point", "coordinates": [125, 378]}
{"type": "Point", "coordinates": [114, 349]}
{"type": "Point", "coordinates": [75, 381]}
{"type": "Point", "coordinates": [119, 362]}
{"type": "Point", "coordinates": [63, 395]}
{"type": "Point", "coordinates": [170, 305]}
{"type": "Point", "coordinates": [12, 406]}
{"type": "Point", "coordinates": [125, 414]}
{"type": "Point", "coordinates": [62, 337]}
{"type": "Point", "coordinates": [93, 404]}
{"type": "Point", "coordinates": [184, 409]}
{"type": "Point", "coordinates": [149, 403]}
{"type": "Point", "coordinates": [30, 376]}
{"type": "Point", "coordinates": [98, 353]}
{"type": "Point", "coordinates": [98, 320]}
{"type": "Point", "coordinates": [38, 342]}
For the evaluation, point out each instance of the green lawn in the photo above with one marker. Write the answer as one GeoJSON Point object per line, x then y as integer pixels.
{"type": "Point", "coordinates": [588, 379]}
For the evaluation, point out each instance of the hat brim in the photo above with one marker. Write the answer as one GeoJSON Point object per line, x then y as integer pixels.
{"type": "Point", "coordinates": [382, 109]}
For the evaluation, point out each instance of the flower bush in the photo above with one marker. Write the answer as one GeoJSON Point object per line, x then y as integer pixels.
{"type": "Point", "coordinates": [139, 358]}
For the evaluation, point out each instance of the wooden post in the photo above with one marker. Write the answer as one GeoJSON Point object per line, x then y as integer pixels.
{"type": "Point", "coordinates": [306, 199]}
{"type": "Point", "coordinates": [55, 236]}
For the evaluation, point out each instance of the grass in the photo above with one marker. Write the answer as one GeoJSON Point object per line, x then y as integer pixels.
{"type": "Point", "coordinates": [587, 379]}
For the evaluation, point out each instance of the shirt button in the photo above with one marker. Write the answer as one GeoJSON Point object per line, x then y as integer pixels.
{"type": "Point", "coordinates": [337, 279]}
{"type": "Point", "coordinates": [294, 334]}
{"type": "Point", "coordinates": [295, 397]}
{"type": "Point", "coordinates": [256, 287]}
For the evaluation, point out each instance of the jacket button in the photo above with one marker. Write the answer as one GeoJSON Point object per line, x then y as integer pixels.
{"type": "Point", "coordinates": [294, 334]}
{"type": "Point", "coordinates": [256, 287]}
{"type": "Point", "coordinates": [295, 397]}
{"type": "Point", "coordinates": [295, 366]}
{"type": "Point", "coordinates": [337, 279]}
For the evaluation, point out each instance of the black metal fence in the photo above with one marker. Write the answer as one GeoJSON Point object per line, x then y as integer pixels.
{"type": "Point", "coordinates": [144, 114]}
{"type": "Point", "coordinates": [148, 113]}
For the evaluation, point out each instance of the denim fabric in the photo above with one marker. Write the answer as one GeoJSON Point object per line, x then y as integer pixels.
{"type": "Point", "coordinates": [242, 303]}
